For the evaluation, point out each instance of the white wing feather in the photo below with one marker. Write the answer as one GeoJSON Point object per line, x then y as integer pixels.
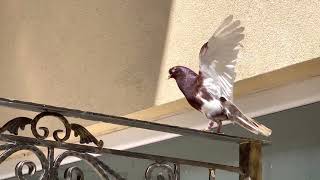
{"type": "Point", "coordinates": [218, 58]}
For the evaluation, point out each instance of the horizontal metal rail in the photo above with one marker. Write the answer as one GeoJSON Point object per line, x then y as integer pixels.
{"type": "Point", "coordinates": [29, 106]}
{"type": "Point", "coordinates": [96, 150]}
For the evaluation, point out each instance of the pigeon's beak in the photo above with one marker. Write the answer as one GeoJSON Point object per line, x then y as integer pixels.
{"type": "Point", "coordinates": [170, 76]}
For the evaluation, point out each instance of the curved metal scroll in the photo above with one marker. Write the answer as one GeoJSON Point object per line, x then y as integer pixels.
{"type": "Point", "coordinates": [31, 168]}
{"type": "Point", "coordinates": [172, 173]}
{"type": "Point", "coordinates": [212, 174]}
{"type": "Point", "coordinates": [85, 136]}
{"type": "Point", "coordinates": [65, 122]}
{"type": "Point", "coordinates": [68, 174]}
{"type": "Point", "coordinates": [20, 122]}
{"type": "Point", "coordinates": [102, 169]}
{"type": "Point", "coordinates": [14, 124]}
{"type": "Point", "coordinates": [12, 148]}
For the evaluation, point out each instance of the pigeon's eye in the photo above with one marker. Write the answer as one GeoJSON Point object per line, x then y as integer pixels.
{"type": "Point", "coordinates": [174, 70]}
{"type": "Point", "coordinates": [171, 71]}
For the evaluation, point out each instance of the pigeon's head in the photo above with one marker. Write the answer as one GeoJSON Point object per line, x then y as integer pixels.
{"type": "Point", "coordinates": [177, 72]}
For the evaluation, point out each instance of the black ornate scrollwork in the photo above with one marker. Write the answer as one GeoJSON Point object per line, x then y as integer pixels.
{"type": "Point", "coordinates": [85, 136]}
{"type": "Point", "coordinates": [103, 170]}
{"type": "Point", "coordinates": [167, 171]}
{"type": "Point", "coordinates": [20, 122]}
{"type": "Point", "coordinates": [73, 171]}
{"type": "Point", "coordinates": [13, 125]}
{"type": "Point", "coordinates": [65, 122]}
{"type": "Point", "coordinates": [164, 168]}
{"type": "Point", "coordinates": [31, 168]}
{"type": "Point", "coordinates": [212, 174]}
{"type": "Point", "coordinates": [12, 148]}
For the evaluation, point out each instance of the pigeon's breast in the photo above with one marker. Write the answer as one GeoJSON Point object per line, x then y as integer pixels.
{"type": "Point", "coordinates": [211, 108]}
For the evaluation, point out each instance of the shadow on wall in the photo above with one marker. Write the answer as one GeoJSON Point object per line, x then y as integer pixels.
{"type": "Point", "coordinates": [100, 56]}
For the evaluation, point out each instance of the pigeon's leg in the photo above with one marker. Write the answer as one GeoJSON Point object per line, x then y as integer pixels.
{"type": "Point", "coordinates": [218, 120]}
{"type": "Point", "coordinates": [210, 126]}
{"type": "Point", "coordinates": [219, 127]}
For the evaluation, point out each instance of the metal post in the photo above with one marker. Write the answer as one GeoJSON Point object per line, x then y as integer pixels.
{"type": "Point", "coordinates": [177, 171]}
{"type": "Point", "coordinates": [250, 161]}
{"type": "Point", "coordinates": [51, 170]}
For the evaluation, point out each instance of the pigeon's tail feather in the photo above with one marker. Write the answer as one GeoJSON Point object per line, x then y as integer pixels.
{"type": "Point", "coordinates": [252, 125]}
{"type": "Point", "coordinates": [246, 122]}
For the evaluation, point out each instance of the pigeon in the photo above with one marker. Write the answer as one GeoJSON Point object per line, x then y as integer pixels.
{"type": "Point", "coordinates": [211, 90]}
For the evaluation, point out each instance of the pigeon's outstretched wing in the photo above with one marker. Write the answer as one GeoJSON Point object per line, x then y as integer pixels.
{"type": "Point", "coordinates": [218, 58]}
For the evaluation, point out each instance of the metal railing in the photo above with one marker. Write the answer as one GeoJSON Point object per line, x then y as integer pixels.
{"type": "Point", "coordinates": [249, 149]}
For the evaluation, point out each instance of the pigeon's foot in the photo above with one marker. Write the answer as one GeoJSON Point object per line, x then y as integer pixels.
{"type": "Point", "coordinates": [212, 131]}
{"type": "Point", "coordinates": [207, 130]}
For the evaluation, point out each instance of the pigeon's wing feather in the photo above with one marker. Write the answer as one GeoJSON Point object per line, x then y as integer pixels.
{"type": "Point", "coordinates": [218, 58]}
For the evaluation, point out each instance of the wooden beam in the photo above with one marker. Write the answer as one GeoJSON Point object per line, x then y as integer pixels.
{"type": "Point", "coordinates": [152, 114]}
{"type": "Point", "coordinates": [277, 78]}
{"type": "Point", "coordinates": [250, 161]}
{"type": "Point", "coordinates": [290, 74]}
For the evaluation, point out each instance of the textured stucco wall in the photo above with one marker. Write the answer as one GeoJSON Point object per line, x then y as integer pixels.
{"type": "Point", "coordinates": [278, 34]}
{"type": "Point", "coordinates": [94, 55]}
{"type": "Point", "coordinates": [113, 56]}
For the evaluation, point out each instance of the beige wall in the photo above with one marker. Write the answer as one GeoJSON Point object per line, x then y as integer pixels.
{"type": "Point", "coordinates": [100, 56]}
{"type": "Point", "coordinates": [113, 56]}
{"type": "Point", "coordinates": [278, 34]}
